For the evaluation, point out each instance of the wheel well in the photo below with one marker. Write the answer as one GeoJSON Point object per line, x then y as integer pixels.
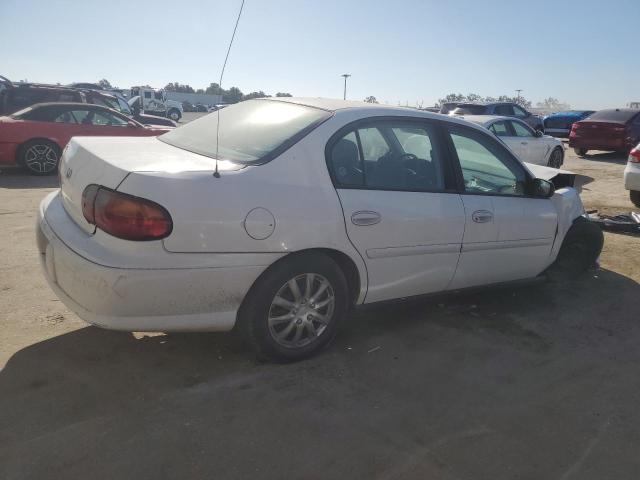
{"type": "Point", "coordinates": [345, 263]}
{"type": "Point", "coordinates": [348, 267]}
{"type": "Point", "coordinates": [23, 144]}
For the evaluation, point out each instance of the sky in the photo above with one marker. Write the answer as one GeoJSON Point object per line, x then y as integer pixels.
{"type": "Point", "coordinates": [584, 53]}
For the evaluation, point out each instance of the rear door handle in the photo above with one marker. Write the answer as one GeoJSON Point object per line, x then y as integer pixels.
{"type": "Point", "coordinates": [365, 217]}
{"type": "Point", "coordinates": [482, 216]}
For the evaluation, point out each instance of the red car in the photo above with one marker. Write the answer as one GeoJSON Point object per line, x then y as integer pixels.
{"type": "Point", "coordinates": [616, 130]}
{"type": "Point", "coordinates": [35, 137]}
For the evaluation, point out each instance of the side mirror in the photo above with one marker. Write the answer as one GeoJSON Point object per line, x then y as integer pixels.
{"type": "Point", "coordinates": [542, 188]}
{"type": "Point", "coordinates": [538, 133]}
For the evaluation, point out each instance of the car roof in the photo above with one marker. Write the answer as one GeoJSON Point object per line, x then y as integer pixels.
{"type": "Point", "coordinates": [367, 109]}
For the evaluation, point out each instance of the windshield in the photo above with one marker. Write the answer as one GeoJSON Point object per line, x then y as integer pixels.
{"type": "Point", "coordinates": [249, 131]}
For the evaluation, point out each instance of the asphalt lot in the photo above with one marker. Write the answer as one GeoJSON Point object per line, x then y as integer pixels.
{"type": "Point", "coordinates": [536, 382]}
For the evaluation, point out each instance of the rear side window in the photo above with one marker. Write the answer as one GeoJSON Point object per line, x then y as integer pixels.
{"type": "Point", "coordinates": [469, 110]}
{"type": "Point", "coordinates": [389, 155]}
{"type": "Point", "coordinates": [504, 110]}
{"type": "Point", "coordinates": [251, 132]}
{"type": "Point", "coordinates": [500, 129]}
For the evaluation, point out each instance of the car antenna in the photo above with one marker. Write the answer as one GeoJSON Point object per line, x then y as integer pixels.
{"type": "Point", "coordinates": [216, 174]}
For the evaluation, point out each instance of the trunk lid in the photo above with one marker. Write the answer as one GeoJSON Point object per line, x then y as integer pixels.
{"type": "Point", "coordinates": [107, 161]}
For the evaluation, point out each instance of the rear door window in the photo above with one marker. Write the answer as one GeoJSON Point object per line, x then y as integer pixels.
{"type": "Point", "coordinates": [506, 110]}
{"type": "Point", "coordinates": [389, 155]}
{"type": "Point", "coordinates": [501, 129]}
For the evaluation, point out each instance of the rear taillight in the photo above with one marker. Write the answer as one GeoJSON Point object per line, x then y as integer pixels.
{"type": "Point", "coordinates": [634, 155]}
{"type": "Point", "coordinates": [125, 216]}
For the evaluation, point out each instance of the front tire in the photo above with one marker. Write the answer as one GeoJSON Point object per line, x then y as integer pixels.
{"type": "Point", "coordinates": [556, 158]}
{"type": "Point", "coordinates": [634, 196]}
{"type": "Point", "coordinates": [580, 250]}
{"type": "Point", "coordinates": [294, 309]}
{"type": "Point", "coordinates": [174, 115]}
{"type": "Point", "coordinates": [581, 152]}
{"type": "Point", "coordinates": [40, 157]}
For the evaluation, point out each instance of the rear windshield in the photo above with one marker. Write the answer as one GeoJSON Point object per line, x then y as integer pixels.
{"type": "Point", "coordinates": [250, 131]}
{"type": "Point", "coordinates": [613, 115]}
{"type": "Point", "coordinates": [469, 110]}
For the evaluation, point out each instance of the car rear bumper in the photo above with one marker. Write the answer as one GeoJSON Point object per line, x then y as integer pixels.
{"type": "Point", "coordinates": [139, 299]}
{"type": "Point", "coordinates": [632, 177]}
{"type": "Point", "coordinates": [612, 144]}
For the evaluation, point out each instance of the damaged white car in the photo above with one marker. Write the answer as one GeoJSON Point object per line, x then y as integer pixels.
{"type": "Point", "coordinates": [312, 207]}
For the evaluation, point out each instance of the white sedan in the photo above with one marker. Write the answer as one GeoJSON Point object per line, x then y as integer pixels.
{"type": "Point", "coordinates": [632, 176]}
{"type": "Point", "coordinates": [313, 206]}
{"type": "Point", "coordinates": [529, 145]}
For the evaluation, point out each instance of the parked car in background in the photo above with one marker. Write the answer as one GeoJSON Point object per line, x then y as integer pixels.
{"type": "Point", "coordinates": [528, 144]}
{"type": "Point", "coordinates": [632, 176]}
{"type": "Point", "coordinates": [36, 136]}
{"type": "Point", "coordinates": [188, 107]}
{"type": "Point", "coordinates": [432, 203]}
{"type": "Point", "coordinates": [447, 107]}
{"type": "Point", "coordinates": [16, 96]}
{"type": "Point", "coordinates": [616, 130]}
{"type": "Point", "coordinates": [559, 124]}
{"type": "Point", "coordinates": [503, 109]}
{"type": "Point", "coordinates": [199, 107]}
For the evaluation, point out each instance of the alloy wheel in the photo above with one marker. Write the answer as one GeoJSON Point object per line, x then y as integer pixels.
{"type": "Point", "coordinates": [301, 310]}
{"type": "Point", "coordinates": [41, 159]}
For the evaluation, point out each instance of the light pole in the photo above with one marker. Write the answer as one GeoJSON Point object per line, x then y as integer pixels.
{"type": "Point", "coordinates": [518, 90]}
{"type": "Point", "coordinates": [345, 75]}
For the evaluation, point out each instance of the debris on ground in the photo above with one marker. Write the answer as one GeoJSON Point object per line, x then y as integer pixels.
{"type": "Point", "coordinates": [621, 223]}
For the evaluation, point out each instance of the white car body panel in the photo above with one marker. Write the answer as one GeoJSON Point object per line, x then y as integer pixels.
{"type": "Point", "coordinates": [414, 247]}
{"type": "Point", "coordinates": [227, 231]}
{"type": "Point", "coordinates": [534, 150]}
{"type": "Point", "coordinates": [632, 176]}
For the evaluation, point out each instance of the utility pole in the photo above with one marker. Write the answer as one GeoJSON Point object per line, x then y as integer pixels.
{"type": "Point", "coordinates": [518, 90]}
{"type": "Point", "coordinates": [345, 75]}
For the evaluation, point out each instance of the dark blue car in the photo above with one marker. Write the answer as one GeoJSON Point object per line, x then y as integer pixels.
{"type": "Point", "coordinates": [559, 124]}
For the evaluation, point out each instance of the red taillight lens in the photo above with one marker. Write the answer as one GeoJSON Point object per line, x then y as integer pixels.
{"type": "Point", "coordinates": [125, 216]}
{"type": "Point", "coordinates": [634, 156]}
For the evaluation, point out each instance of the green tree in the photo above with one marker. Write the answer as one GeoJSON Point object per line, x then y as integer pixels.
{"type": "Point", "coordinates": [104, 83]}
{"type": "Point", "coordinates": [283, 94]}
{"type": "Point", "coordinates": [176, 87]}
{"type": "Point", "coordinates": [251, 95]}
{"type": "Point", "coordinates": [371, 99]}
{"type": "Point", "coordinates": [214, 89]}
{"type": "Point", "coordinates": [233, 95]}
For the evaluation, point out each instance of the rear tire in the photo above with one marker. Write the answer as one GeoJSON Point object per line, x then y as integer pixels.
{"type": "Point", "coordinates": [556, 158]}
{"type": "Point", "coordinates": [580, 250]}
{"type": "Point", "coordinates": [294, 309]}
{"type": "Point", "coordinates": [581, 152]}
{"type": "Point", "coordinates": [634, 196]}
{"type": "Point", "coordinates": [40, 157]}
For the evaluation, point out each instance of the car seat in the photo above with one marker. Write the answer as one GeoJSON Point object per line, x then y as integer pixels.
{"type": "Point", "coordinates": [346, 162]}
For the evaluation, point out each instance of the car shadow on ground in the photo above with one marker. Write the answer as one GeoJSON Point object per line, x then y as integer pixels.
{"type": "Point", "coordinates": [469, 382]}
{"type": "Point", "coordinates": [606, 157]}
{"type": "Point", "coordinates": [18, 177]}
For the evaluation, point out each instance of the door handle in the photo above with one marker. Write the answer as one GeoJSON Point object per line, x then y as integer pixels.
{"type": "Point", "coordinates": [482, 216]}
{"type": "Point", "coordinates": [365, 217]}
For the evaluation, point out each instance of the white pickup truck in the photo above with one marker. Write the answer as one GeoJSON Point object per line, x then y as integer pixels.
{"type": "Point", "coordinates": [154, 102]}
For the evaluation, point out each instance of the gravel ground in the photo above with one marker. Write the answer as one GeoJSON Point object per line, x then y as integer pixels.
{"type": "Point", "coordinates": [536, 382]}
